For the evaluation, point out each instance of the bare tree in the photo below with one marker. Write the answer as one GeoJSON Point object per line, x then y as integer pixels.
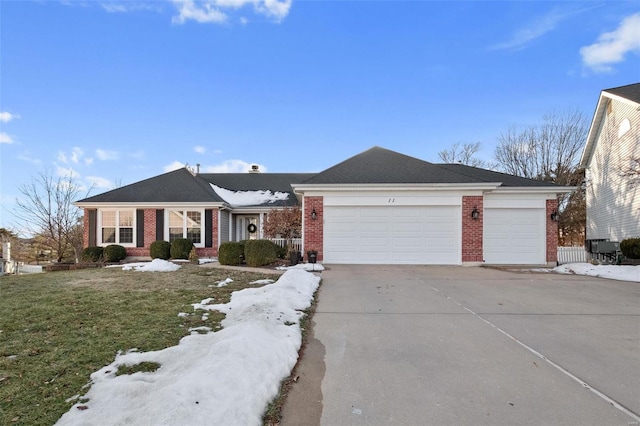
{"type": "Point", "coordinates": [283, 223]}
{"type": "Point", "coordinates": [465, 154]}
{"type": "Point", "coordinates": [550, 151]}
{"type": "Point", "coordinates": [47, 210]}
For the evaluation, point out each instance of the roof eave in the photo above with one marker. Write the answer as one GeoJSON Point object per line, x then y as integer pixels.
{"type": "Point", "coordinates": [113, 204]}
{"type": "Point", "coordinates": [370, 187]}
{"type": "Point", "coordinates": [536, 189]}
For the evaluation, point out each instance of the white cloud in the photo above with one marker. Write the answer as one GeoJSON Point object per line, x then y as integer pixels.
{"type": "Point", "coordinates": [126, 7]}
{"type": "Point", "coordinates": [88, 161]}
{"type": "Point", "coordinates": [26, 156]}
{"type": "Point", "coordinates": [199, 149]}
{"type": "Point", "coordinates": [215, 11]}
{"type": "Point", "coordinates": [612, 47]}
{"type": "Point", "coordinates": [538, 28]}
{"type": "Point", "coordinates": [174, 166]}
{"type": "Point", "coordinates": [232, 166]}
{"type": "Point", "coordinates": [6, 117]}
{"type": "Point", "coordinates": [201, 13]}
{"type": "Point", "coordinates": [98, 182]}
{"type": "Point", "coordinates": [75, 156]}
{"type": "Point", "coordinates": [5, 138]}
{"type": "Point", "coordinates": [107, 155]}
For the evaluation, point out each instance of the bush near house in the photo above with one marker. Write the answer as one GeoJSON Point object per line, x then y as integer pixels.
{"type": "Point", "coordinates": [114, 253]}
{"type": "Point", "coordinates": [231, 253]}
{"type": "Point", "coordinates": [160, 250]}
{"type": "Point", "coordinates": [180, 248]}
{"type": "Point", "coordinates": [260, 252]}
{"type": "Point", "coordinates": [92, 254]}
{"type": "Point", "coordinates": [630, 248]}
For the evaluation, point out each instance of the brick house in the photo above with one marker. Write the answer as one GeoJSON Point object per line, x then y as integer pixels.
{"type": "Point", "coordinates": [378, 207]}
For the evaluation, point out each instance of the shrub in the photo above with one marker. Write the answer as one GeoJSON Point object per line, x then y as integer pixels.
{"type": "Point", "coordinates": [193, 256]}
{"type": "Point", "coordinates": [260, 252]}
{"type": "Point", "coordinates": [160, 250]}
{"type": "Point", "coordinates": [231, 253]}
{"type": "Point", "coordinates": [630, 248]}
{"type": "Point", "coordinates": [114, 253]}
{"type": "Point", "coordinates": [180, 248]}
{"type": "Point", "coordinates": [92, 254]}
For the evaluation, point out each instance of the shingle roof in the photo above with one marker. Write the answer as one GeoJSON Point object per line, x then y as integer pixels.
{"type": "Point", "coordinates": [178, 186]}
{"type": "Point", "coordinates": [374, 166]}
{"type": "Point", "coordinates": [630, 91]}
{"type": "Point", "coordinates": [380, 165]}
{"type": "Point", "coordinates": [484, 175]}
{"type": "Point", "coordinates": [383, 166]}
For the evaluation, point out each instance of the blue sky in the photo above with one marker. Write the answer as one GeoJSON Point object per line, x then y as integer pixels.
{"type": "Point", "coordinates": [115, 92]}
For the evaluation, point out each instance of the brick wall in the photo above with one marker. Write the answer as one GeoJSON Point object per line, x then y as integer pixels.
{"type": "Point", "coordinates": [149, 235]}
{"type": "Point", "coordinates": [313, 229]}
{"type": "Point", "coordinates": [552, 232]}
{"type": "Point", "coordinates": [472, 230]}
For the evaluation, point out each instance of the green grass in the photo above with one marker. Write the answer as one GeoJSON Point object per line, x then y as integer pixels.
{"type": "Point", "coordinates": [57, 328]}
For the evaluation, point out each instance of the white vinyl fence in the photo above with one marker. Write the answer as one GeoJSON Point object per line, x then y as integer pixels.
{"type": "Point", "coordinates": [282, 242]}
{"type": "Point", "coordinates": [572, 255]}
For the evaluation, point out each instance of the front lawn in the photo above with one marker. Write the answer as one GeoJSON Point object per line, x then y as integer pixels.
{"type": "Point", "coordinates": [58, 328]}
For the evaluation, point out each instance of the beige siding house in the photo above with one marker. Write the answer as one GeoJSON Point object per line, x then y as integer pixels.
{"type": "Point", "coordinates": [612, 151]}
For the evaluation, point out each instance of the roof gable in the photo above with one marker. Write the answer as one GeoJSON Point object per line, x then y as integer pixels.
{"type": "Point", "coordinates": [380, 165]}
{"type": "Point", "coordinates": [629, 93]}
{"type": "Point", "coordinates": [178, 186]}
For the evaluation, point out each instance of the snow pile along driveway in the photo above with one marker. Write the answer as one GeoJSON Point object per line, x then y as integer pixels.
{"type": "Point", "coordinates": [225, 378]}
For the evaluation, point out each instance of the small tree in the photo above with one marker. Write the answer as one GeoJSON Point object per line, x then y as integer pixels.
{"type": "Point", "coordinates": [283, 223]}
{"type": "Point", "coordinates": [47, 209]}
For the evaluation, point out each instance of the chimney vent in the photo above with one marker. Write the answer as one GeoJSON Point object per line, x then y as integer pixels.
{"type": "Point", "coordinates": [254, 168]}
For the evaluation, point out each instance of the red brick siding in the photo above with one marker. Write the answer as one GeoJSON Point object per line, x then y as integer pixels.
{"type": "Point", "coordinates": [552, 232]}
{"type": "Point", "coordinates": [472, 230]}
{"type": "Point", "coordinates": [314, 229]}
{"type": "Point", "coordinates": [149, 235]}
{"type": "Point", "coordinates": [213, 228]}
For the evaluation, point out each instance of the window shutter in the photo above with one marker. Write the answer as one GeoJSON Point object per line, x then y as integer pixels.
{"type": "Point", "coordinates": [93, 225]}
{"type": "Point", "coordinates": [139, 228]}
{"type": "Point", "coordinates": [208, 232]}
{"type": "Point", "coordinates": [159, 225]}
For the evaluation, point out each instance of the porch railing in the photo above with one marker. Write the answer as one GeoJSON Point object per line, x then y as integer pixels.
{"type": "Point", "coordinates": [572, 255]}
{"type": "Point", "coordinates": [282, 242]}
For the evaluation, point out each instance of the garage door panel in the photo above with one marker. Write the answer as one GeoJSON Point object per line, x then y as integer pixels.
{"type": "Point", "coordinates": [514, 236]}
{"type": "Point", "coordinates": [392, 234]}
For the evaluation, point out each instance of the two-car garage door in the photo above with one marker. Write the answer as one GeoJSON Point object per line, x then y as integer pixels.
{"type": "Point", "coordinates": [392, 234]}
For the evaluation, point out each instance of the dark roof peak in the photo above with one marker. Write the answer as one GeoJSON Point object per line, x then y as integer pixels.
{"type": "Point", "coordinates": [629, 91]}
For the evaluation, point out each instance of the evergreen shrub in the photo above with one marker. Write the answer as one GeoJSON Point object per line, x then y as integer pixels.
{"type": "Point", "coordinates": [180, 248]}
{"type": "Point", "coordinates": [160, 250]}
{"type": "Point", "coordinates": [231, 253]}
{"type": "Point", "coordinates": [114, 253]}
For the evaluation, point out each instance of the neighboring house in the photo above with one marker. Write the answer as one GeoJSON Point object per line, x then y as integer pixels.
{"type": "Point", "coordinates": [377, 207]}
{"type": "Point", "coordinates": [610, 156]}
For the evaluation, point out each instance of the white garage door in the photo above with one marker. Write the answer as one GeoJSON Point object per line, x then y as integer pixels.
{"type": "Point", "coordinates": [392, 234]}
{"type": "Point", "coordinates": [514, 236]}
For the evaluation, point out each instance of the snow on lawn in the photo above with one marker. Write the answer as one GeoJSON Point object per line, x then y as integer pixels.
{"type": "Point", "coordinates": [614, 272]}
{"type": "Point", "coordinates": [156, 265]}
{"type": "Point", "coordinates": [225, 377]}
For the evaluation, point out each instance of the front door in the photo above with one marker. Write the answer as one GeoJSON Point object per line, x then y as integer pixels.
{"type": "Point", "coordinates": [247, 228]}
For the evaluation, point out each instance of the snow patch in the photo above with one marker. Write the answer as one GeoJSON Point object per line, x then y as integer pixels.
{"type": "Point", "coordinates": [249, 198]}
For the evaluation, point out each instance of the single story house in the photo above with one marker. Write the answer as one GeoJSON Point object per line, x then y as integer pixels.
{"type": "Point", "coordinates": [377, 207]}
{"type": "Point", "coordinates": [611, 159]}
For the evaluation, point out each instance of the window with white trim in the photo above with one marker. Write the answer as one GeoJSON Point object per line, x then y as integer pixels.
{"type": "Point", "coordinates": [186, 224]}
{"type": "Point", "coordinates": [116, 226]}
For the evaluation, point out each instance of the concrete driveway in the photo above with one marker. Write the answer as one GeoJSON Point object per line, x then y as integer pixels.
{"type": "Point", "coordinates": [425, 345]}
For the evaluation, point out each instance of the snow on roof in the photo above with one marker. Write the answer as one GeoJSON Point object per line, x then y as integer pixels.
{"type": "Point", "coordinates": [249, 198]}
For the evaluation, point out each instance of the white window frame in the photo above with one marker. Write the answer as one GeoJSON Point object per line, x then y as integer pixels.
{"type": "Point", "coordinates": [117, 226]}
{"type": "Point", "coordinates": [183, 211]}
